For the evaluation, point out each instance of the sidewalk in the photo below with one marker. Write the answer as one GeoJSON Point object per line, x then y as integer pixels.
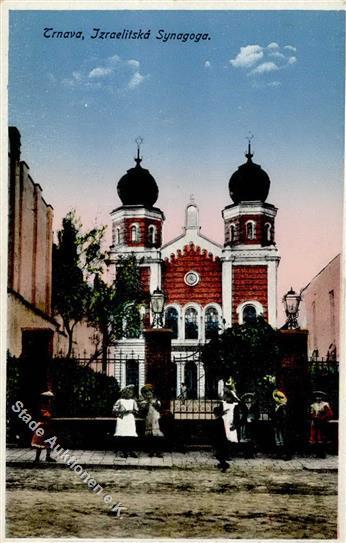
{"type": "Point", "coordinates": [23, 458]}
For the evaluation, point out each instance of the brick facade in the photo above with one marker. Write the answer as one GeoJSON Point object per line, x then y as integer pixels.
{"type": "Point", "coordinates": [144, 237]}
{"type": "Point", "coordinates": [209, 288]}
{"type": "Point", "coordinates": [144, 274]}
{"type": "Point", "coordinates": [241, 234]}
{"type": "Point", "coordinates": [249, 283]}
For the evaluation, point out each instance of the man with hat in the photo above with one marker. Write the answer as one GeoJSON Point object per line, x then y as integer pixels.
{"type": "Point", "coordinates": [320, 414]}
{"type": "Point", "coordinates": [248, 416]}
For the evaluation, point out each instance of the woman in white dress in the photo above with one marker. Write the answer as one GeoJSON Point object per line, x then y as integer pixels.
{"type": "Point", "coordinates": [125, 409]}
{"type": "Point", "coordinates": [230, 405]}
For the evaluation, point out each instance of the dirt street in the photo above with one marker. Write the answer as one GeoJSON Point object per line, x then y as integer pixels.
{"type": "Point", "coordinates": [198, 502]}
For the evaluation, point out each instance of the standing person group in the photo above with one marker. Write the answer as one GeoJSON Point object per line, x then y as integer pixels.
{"type": "Point", "coordinates": [125, 409]}
{"type": "Point", "coordinates": [236, 423]}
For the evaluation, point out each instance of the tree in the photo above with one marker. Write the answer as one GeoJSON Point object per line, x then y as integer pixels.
{"type": "Point", "coordinates": [130, 296]}
{"type": "Point", "coordinates": [77, 257]}
{"type": "Point", "coordinates": [115, 309]}
{"type": "Point", "coordinates": [246, 352]}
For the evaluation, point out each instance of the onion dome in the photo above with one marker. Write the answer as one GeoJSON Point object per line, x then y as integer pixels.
{"type": "Point", "coordinates": [137, 186]}
{"type": "Point", "coordinates": [249, 182]}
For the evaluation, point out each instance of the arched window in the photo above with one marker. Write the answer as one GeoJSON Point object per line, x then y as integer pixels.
{"type": "Point", "coordinates": [135, 233]}
{"type": "Point", "coordinates": [249, 314]}
{"type": "Point", "coordinates": [211, 322]}
{"type": "Point", "coordinates": [250, 230]}
{"type": "Point", "coordinates": [268, 231]}
{"type": "Point", "coordinates": [232, 233]}
{"type": "Point", "coordinates": [152, 234]}
{"type": "Point", "coordinates": [171, 321]}
{"type": "Point", "coordinates": [191, 323]}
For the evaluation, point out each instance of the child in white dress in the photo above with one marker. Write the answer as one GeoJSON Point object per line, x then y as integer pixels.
{"type": "Point", "coordinates": [125, 431]}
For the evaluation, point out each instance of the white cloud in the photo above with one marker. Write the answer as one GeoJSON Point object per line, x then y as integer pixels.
{"type": "Point", "coordinates": [248, 56]}
{"type": "Point", "coordinates": [135, 80]}
{"type": "Point", "coordinates": [273, 45]}
{"type": "Point", "coordinates": [77, 76]}
{"type": "Point", "coordinates": [257, 60]}
{"type": "Point", "coordinates": [100, 72]}
{"type": "Point", "coordinates": [264, 68]}
{"type": "Point", "coordinates": [114, 59]}
{"type": "Point", "coordinates": [290, 48]}
{"type": "Point", "coordinates": [113, 73]}
{"type": "Point", "coordinates": [207, 64]}
{"type": "Point", "coordinates": [276, 54]}
{"type": "Point", "coordinates": [134, 64]}
{"type": "Point", "coordinates": [263, 85]}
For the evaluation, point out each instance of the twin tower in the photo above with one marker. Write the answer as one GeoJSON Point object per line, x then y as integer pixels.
{"type": "Point", "coordinates": [206, 285]}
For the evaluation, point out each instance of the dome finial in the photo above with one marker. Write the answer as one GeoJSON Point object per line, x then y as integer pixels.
{"type": "Point", "coordinates": [249, 155]}
{"type": "Point", "coordinates": [139, 141]}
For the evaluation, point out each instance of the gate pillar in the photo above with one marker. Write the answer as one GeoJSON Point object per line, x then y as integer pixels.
{"type": "Point", "coordinates": [157, 363]}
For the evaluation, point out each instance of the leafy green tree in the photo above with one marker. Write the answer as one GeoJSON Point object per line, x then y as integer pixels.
{"type": "Point", "coordinates": [115, 309]}
{"type": "Point", "coordinates": [77, 257]}
{"type": "Point", "coordinates": [130, 297]}
{"type": "Point", "coordinates": [101, 314]}
{"type": "Point", "coordinates": [246, 352]}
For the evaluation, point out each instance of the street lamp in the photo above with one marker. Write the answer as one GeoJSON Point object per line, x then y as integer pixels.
{"type": "Point", "coordinates": [157, 305]}
{"type": "Point", "coordinates": [291, 301]}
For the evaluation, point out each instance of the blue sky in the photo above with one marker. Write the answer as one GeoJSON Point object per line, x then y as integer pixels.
{"type": "Point", "coordinates": [80, 104]}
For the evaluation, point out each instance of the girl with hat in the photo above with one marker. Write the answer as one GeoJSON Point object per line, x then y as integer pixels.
{"type": "Point", "coordinates": [150, 409]}
{"type": "Point", "coordinates": [39, 442]}
{"type": "Point", "coordinates": [125, 431]}
{"type": "Point", "coordinates": [280, 424]}
{"type": "Point", "coordinates": [320, 414]}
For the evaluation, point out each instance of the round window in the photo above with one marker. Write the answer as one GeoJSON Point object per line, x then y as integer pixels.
{"type": "Point", "coordinates": [191, 278]}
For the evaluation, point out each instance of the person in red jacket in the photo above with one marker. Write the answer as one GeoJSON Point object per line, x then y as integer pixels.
{"type": "Point", "coordinates": [39, 442]}
{"type": "Point", "coordinates": [320, 414]}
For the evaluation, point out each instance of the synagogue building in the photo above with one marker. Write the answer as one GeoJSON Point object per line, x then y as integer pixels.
{"type": "Point", "coordinates": [207, 286]}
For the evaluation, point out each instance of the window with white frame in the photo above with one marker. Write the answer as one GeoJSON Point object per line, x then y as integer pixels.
{"type": "Point", "coordinates": [191, 323]}
{"type": "Point", "coordinates": [171, 321]}
{"type": "Point", "coordinates": [232, 232]}
{"type": "Point", "coordinates": [135, 233]}
{"type": "Point", "coordinates": [211, 322]}
{"type": "Point", "coordinates": [249, 314]}
{"type": "Point", "coordinates": [268, 231]}
{"type": "Point", "coordinates": [250, 229]}
{"type": "Point", "coordinates": [117, 236]}
{"type": "Point", "coordinates": [152, 234]}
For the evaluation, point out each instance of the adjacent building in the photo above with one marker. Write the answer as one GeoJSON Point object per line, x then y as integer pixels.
{"type": "Point", "coordinates": [320, 311]}
{"type": "Point", "coordinates": [31, 327]}
{"type": "Point", "coordinates": [32, 332]}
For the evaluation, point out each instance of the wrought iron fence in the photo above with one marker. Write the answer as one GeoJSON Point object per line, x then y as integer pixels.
{"type": "Point", "coordinates": [125, 368]}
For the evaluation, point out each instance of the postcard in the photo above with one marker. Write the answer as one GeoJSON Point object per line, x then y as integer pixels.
{"type": "Point", "coordinates": [173, 221]}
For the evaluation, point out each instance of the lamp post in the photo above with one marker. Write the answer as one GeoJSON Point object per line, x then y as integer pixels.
{"type": "Point", "coordinates": [291, 302]}
{"type": "Point", "coordinates": [158, 352]}
{"type": "Point", "coordinates": [157, 305]}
